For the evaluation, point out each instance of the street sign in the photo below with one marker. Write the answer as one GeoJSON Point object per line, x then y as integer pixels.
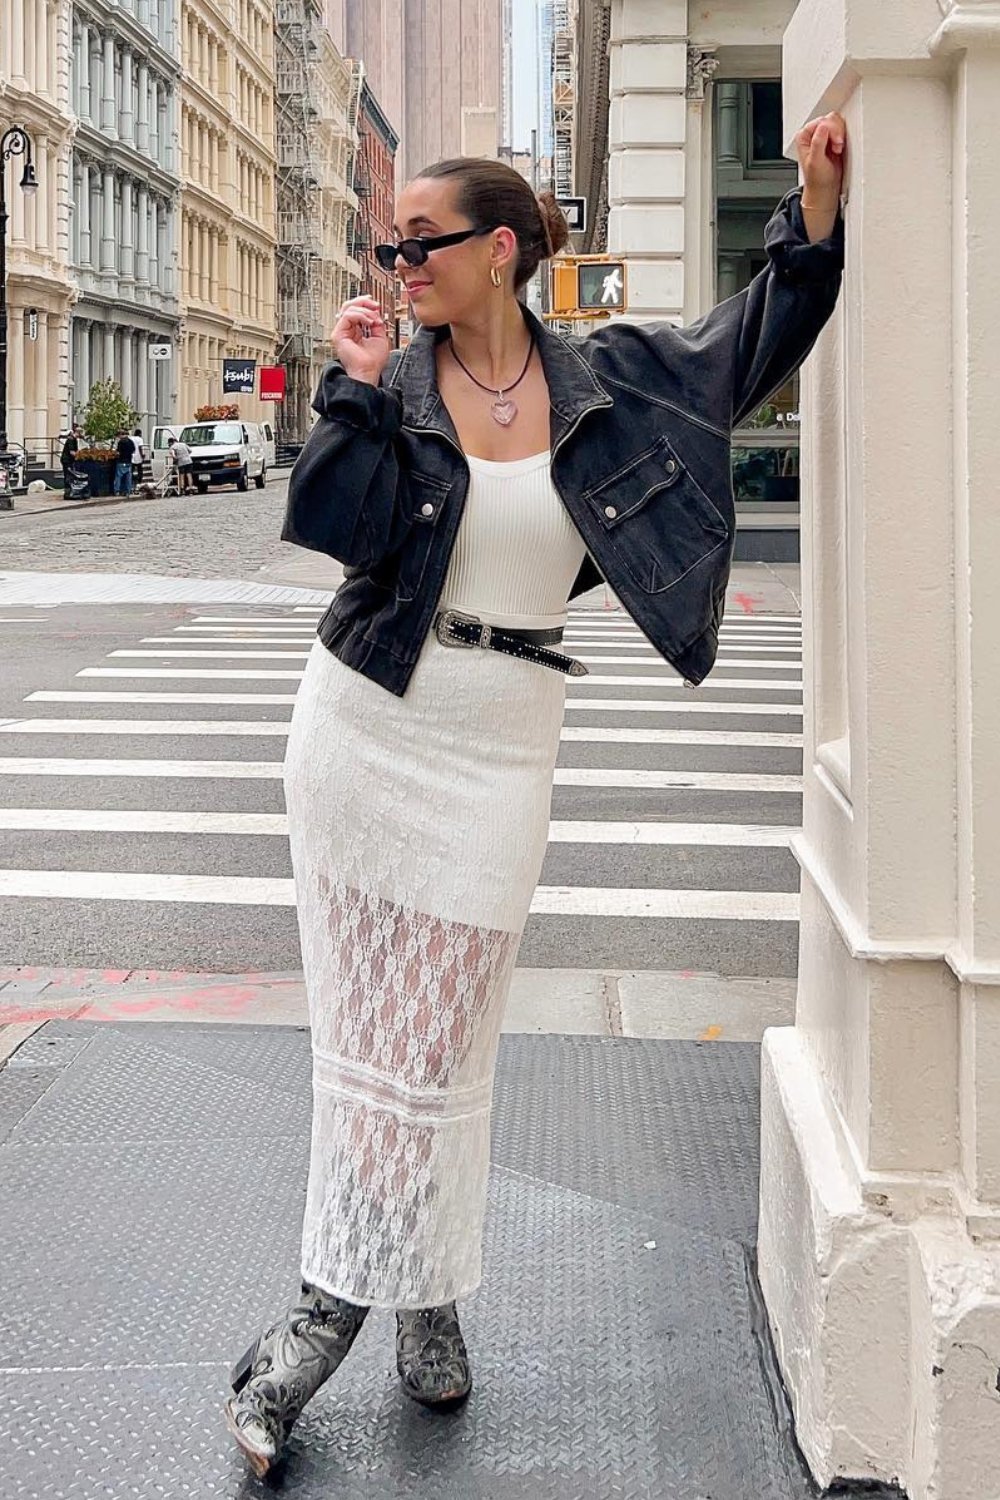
{"type": "Point", "coordinates": [272, 382]}
{"type": "Point", "coordinates": [575, 210]}
{"type": "Point", "coordinates": [602, 285]}
{"type": "Point", "coordinates": [160, 351]}
{"type": "Point", "coordinates": [238, 376]}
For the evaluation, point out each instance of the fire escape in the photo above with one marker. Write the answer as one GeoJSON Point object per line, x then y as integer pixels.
{"type": "Point", "coordinates": [317, 97]}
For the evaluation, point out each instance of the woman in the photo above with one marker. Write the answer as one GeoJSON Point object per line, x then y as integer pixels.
{"type": "Point", "coordinates": [469, 486]}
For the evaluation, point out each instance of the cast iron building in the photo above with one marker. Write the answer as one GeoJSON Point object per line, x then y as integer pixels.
{"type": "Point", "coordinates": [124, 191]}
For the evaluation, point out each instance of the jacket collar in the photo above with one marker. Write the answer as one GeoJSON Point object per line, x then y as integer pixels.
{"type": "Point", "coordinates": [573, 387]}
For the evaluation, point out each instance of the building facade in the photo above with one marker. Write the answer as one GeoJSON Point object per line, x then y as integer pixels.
{"type": "Point", "coordinates": [34, 93]}
{"type": "Point", "coordinates": [124, 192]}
{"type": "Point", "coordinates": [375, 186]}
{"type": "Point", "coordinates": [318, 96]}
{"type": "Point", "coordinates": [228, 229]}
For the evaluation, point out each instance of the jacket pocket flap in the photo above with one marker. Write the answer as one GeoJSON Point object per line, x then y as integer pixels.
{"type": "Point", "coordinates": [631, 486]}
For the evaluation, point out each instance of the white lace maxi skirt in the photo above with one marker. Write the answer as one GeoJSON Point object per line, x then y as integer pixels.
{"type": "Point", "coordinates": [418, 827]}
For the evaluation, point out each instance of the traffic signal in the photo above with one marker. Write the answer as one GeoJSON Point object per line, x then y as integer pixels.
{"type": "Point", "coordinates": [587, 286]}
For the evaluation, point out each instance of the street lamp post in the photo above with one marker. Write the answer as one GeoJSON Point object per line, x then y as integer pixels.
{"type": "Point", "coordinates": [14, 142]}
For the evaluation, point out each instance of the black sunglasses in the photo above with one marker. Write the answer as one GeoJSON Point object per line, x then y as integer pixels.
{"type": "Point", "coordinates": [415, 252]}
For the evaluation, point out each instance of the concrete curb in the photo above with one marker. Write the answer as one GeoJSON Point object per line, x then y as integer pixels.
{"type": "Point", "coordinates": [681, 1005]}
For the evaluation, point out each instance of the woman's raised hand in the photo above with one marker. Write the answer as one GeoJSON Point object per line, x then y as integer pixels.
{"type": "Point", "coordinates": [820, 147]}
{"type": "Point", "coordinates": [360, 339]}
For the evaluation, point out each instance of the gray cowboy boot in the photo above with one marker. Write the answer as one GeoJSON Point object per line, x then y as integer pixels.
{"type": "Point", "coordinates": [431, 1356]}
{"type": "Point", "coordinates": [284, 1368]}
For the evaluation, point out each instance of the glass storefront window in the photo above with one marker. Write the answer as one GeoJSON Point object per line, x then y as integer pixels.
{"type": "Point", "coordinates": [766, 127]}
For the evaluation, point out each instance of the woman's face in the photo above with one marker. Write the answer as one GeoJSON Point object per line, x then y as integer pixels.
{"type": "Point", "coordinates": [452, 284]}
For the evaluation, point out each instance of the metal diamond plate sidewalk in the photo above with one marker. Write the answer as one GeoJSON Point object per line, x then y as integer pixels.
{"type": "Point", "coordinates": [153, 1180]}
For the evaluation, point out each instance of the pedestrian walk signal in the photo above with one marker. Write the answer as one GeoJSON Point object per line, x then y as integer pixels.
{"type": "Point", "coordinates": [586, 286]}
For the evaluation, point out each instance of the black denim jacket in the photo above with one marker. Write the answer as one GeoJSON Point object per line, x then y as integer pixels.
{"type": "Point", "coordinates": [640, 436]}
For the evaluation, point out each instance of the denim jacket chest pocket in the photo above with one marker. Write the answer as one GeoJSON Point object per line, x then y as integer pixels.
{"type": "Point", "coordinates": [657, 517]}
{"type": "Point", "coordinates": [426, 496]}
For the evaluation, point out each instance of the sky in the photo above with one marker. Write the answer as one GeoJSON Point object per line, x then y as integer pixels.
{"type": "Point", "coordinates": [524, 73]}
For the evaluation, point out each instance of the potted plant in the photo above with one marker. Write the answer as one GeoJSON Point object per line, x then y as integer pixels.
{"type": "Point", "coordinates": [107, 413]}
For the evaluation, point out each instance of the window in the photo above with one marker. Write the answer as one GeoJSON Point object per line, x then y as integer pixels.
{"type": "Point", "coordinates": [766, 128]}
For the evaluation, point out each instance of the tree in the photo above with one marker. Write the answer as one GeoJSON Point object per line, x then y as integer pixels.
{"type": "Point", "coordinates": [108, 412]}
{"type": "Point", "coordinates": [227, 412]}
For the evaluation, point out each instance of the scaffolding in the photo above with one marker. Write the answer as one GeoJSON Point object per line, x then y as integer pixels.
{"type": "Point", "coordinates": [563, 94]}
{"type": "Point", "coordinates": [317, 94]}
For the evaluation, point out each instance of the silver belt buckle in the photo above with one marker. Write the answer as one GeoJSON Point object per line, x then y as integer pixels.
{"type": "Point", "coordinates": [446, 619]}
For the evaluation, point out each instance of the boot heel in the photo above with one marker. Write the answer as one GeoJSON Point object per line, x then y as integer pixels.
{"type": "Point", "coordinates": [241, 1371]}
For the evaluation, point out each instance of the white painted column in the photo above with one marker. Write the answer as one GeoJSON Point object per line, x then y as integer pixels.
{"type": "Point", "coordinates": [86, 252]}
{"type": "Point", "coordinates": [879, 1239]}
{"type": "Point", "coordinates": [16, 374]}
{"type": "Point", "coordinates": [108, 334]}
{"type": "Point", "coordinates": [83, 80]}
{"type": "Point", "coordinates": [108, 221]}
{"type": "Point", "coordinates": [109, 123]}
{"type": "Point", "coordinates": [82, 365]}
{"type": "Point", "coordinates": [43, 79]}
{"type": "Point", "coordinates": [154, 246]}
{"type": "Point", "coordinates": [646, 136]}
{"type": "Point", "coordinates": [154, 119]}
{"type": "Point", "coordinates": [142, 110]}
{"type": "Point", "coordinates": [126, 115]}
{"type": "Point", "coordinates": [39, 429]}
{"type": "Point", "coordinates": [127, 258]}
{"type": "Point", "coordinates": [142, 238]}
{"type": "Point", "coordinates": [142, 383]}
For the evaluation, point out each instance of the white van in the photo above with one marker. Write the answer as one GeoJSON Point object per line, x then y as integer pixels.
{"type": "Point", "coordinates": [267, 434]}
{"type": "Point", "coordinates": [159, 448]}
{"type": "Point", "coordinates": [225, 452]}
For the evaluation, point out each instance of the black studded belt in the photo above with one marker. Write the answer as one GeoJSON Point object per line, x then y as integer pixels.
{"type": "Point", "coordinates": [453, 628]}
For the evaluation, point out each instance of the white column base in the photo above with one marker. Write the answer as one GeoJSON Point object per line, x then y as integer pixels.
{"type": "Point", "coordinates": [888, 1332]}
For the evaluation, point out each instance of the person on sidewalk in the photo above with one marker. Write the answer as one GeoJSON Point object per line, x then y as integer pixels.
{"type": "Point", "coordinates": [138, 458]}
{"type": "Point", "coordinates": [179, 454]}
{"type": "Point", "coordinates": [123, 467]}
{"type": "Point", "coordinates": [67, 457]}
{"type": "Point", "coordinates": [471, 485]}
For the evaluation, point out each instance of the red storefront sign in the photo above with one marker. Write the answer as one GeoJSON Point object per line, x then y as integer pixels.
{"type": "Point", "coordinates": [272, 383]}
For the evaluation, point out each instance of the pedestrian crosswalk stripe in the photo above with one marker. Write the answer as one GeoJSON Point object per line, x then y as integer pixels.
{"type": "Point", "coordinates": [696, 781]}
{"type": "Point", "coordinates": [202, 673]}
{"type": "Point", "coordinates": [259, 728]}
{"type": "Point", "coordinates": [573, 705]}
{"type": "Point", "coordinates": [688, 706]}
{"type": "Point", "coordinates": [239, 824]}
{"type": "Point", "coordinates": [653, 659]}
{"type": "Point", "coordinates": [257, 770]}
{"type": "Point", "coordinates": [261, 674]}
{"type": "Point", "coordinates": [75, 695]}
{"type": "Point", "coordinates": [248, 890]}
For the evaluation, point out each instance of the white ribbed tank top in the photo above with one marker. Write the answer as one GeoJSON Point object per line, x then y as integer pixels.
{"type": "Point", "coordinates": [517, 552]}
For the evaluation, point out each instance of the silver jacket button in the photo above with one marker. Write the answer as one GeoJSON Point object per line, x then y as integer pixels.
{"type": "Point", "coordinates": [671, 465]}
{"type": "Point", "coordinates": [610, 512]}
{"type": "Point", "coordinates": [427, 510]}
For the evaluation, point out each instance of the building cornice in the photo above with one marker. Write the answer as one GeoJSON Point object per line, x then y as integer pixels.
{"type": "Point", "coordinates": [126, 29]}
{"type": "Point", "coordinates": [31, 109]}
{"type": "Point", "coordinates": [124, 158]}
{"type": "Point", "coordinates": [966, 24]}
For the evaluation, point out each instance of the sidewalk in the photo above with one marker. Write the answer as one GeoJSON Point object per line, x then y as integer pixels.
{"type": "Point", "coordinates": [153, 1179]}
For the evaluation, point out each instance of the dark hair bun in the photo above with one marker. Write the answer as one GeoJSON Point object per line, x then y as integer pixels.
{"type": "Point", "coordinates": [553, 222]}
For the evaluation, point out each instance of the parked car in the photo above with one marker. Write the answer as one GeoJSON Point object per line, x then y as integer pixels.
{"type": "Point", "coordinates": [226, 452]}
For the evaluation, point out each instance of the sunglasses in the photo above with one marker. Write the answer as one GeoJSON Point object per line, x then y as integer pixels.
{"type": "Point", "coordinates": [415, 252]}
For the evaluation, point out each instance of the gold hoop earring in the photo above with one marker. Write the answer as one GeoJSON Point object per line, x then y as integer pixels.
{"type": "Point", "coordinates": [495, 276]}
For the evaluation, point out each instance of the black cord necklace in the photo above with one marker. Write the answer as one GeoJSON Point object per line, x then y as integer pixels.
{"type": "Point", "coordinates": [502, 409]}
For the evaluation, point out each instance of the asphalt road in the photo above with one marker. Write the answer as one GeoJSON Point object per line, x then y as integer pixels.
{"type": "Point", "coordinates": [671, 809]}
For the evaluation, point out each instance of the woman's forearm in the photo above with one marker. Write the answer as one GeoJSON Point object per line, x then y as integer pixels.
{"type": "Point", "coordinates": [819, 218]}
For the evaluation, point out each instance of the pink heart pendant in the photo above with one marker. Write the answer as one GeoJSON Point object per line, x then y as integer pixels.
{"type": "Point", "coordinates": [504, 412]}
